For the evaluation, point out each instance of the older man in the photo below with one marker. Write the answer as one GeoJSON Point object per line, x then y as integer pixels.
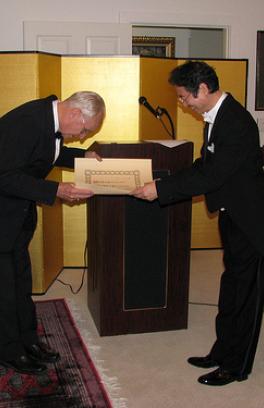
{"type": "Point", "coordinates": [31, 144]}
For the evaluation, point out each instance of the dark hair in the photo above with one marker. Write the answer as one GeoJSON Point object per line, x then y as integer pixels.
{"type": "Point", "coordinates": [191, 74]}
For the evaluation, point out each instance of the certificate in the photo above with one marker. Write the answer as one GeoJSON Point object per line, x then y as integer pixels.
{"type": "Point", "coordinates": [112, 176]}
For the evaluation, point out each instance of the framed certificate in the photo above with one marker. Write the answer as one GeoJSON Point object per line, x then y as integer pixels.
{"type": "Point", "coordinates": [112, 176]}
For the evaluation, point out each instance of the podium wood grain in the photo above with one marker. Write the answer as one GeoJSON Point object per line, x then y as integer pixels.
{"type": "Point", "coordinates": [107, 252]}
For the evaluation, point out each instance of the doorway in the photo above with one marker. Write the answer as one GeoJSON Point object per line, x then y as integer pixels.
{"type": "Point", "coordinates": [189, 42]}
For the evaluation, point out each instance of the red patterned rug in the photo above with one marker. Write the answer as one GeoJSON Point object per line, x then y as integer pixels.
{"type": "Point", "coordinates": [72, 382]}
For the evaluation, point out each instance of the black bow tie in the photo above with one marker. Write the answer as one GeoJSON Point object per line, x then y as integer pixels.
{"type": "Point", "coordinates": [58, 135]}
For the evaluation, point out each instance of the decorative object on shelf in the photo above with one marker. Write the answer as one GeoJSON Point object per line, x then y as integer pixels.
{"type": "Point", "coordinates": [153, 46]}
{"type": "Point", "coordinates": [259, 96]}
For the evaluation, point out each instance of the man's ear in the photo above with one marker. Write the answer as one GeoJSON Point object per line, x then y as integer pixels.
{"type": "Point", "coordinates": [75, 113]}
{"type": "Point", "coordinates": [204, 88]}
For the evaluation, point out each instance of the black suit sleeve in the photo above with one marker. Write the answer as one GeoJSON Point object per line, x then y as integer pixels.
{"type": "Point", "coordinates": [67, 155]}
{"type": "Point", "coordinates": [235, 142]}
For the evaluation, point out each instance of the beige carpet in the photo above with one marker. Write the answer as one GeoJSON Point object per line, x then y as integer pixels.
{"type": "Point", "coordinates": [150, 370]}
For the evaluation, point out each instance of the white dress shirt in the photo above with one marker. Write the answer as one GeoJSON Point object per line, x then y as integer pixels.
{"type": "Point", "coordinates": [56, 121]}
{"type": "Point", "coordinates": [211, 114]}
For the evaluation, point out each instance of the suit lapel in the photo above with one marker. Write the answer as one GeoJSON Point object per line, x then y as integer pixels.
{"type": "Point", "coordinates": [205, 136]}
{"type": "Point", "coordinates": [220, 113]}
{"type": "Point", "coordinates": [50, 129]}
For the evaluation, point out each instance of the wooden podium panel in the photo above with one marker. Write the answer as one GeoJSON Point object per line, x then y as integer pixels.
{"type": "Point", "coordinates": [139, 252]}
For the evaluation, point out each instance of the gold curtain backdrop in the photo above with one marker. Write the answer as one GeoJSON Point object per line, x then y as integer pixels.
{"type": "Point", "coordinates": [62, 230]}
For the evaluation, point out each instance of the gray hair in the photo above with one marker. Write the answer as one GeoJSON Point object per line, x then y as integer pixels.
{"type": "Point", "coordinates": [90, 103]}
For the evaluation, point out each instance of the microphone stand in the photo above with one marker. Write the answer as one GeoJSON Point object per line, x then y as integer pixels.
{"type": "Point", "coordinates": [160, 111]}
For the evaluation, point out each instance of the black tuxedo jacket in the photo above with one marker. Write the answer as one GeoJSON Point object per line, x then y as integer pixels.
{"type": "Point", "coordinates": [27, 150]}
{"type": "Point", "coordinates": [230, 172]}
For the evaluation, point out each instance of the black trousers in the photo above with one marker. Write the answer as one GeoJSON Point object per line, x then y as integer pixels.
{"type": "Point", "coordinates": [18, 324]}
{"type": "Point", "coordinates": [241, 300]}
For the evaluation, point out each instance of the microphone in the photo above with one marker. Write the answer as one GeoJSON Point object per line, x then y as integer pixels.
{"type": "Point", "coordinates": [143, 101]}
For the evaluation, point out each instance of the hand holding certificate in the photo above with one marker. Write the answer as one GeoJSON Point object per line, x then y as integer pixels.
{"type": "Point", "coordinates": [112, 176]}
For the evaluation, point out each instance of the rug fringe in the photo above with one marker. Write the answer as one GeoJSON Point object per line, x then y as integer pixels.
{"type": "Point", "coordinates": [111, 383]}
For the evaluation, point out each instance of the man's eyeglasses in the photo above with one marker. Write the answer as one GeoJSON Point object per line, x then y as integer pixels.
{"type": "Point", "coordinates": [84, 129]}
{"type": "Point", "coordinates": [184, 99]}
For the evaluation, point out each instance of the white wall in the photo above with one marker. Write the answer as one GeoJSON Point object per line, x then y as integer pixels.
{"type": "Point", "coordinates": [242, 17]}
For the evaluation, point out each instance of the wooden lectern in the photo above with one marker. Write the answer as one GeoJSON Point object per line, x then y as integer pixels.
{"type": "Point", "coordinates": [139, 252]}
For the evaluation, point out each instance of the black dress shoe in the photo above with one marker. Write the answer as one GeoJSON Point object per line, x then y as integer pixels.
{"type": "Point", "coordinates": [23, 364]}
{"type": "Point", "coordinates": [203, 362]}
{"type": "Point", "coordinates": [41, 353]}
{"type": "Point", "coordinates": [221, 377]}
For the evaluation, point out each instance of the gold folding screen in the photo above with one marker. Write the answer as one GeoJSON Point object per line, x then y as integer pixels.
{"type": "Point", "coordinates": [23, 77]}
{"type": "Point", "coordinates": [61, 234]}
{"type": "Point", "coordinates": [116, 79]}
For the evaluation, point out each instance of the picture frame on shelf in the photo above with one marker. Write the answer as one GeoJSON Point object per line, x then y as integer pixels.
{"type": "Point", "coordinates": [259, 92]}
{"type": "Point", "coordinates": [162, 47]}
